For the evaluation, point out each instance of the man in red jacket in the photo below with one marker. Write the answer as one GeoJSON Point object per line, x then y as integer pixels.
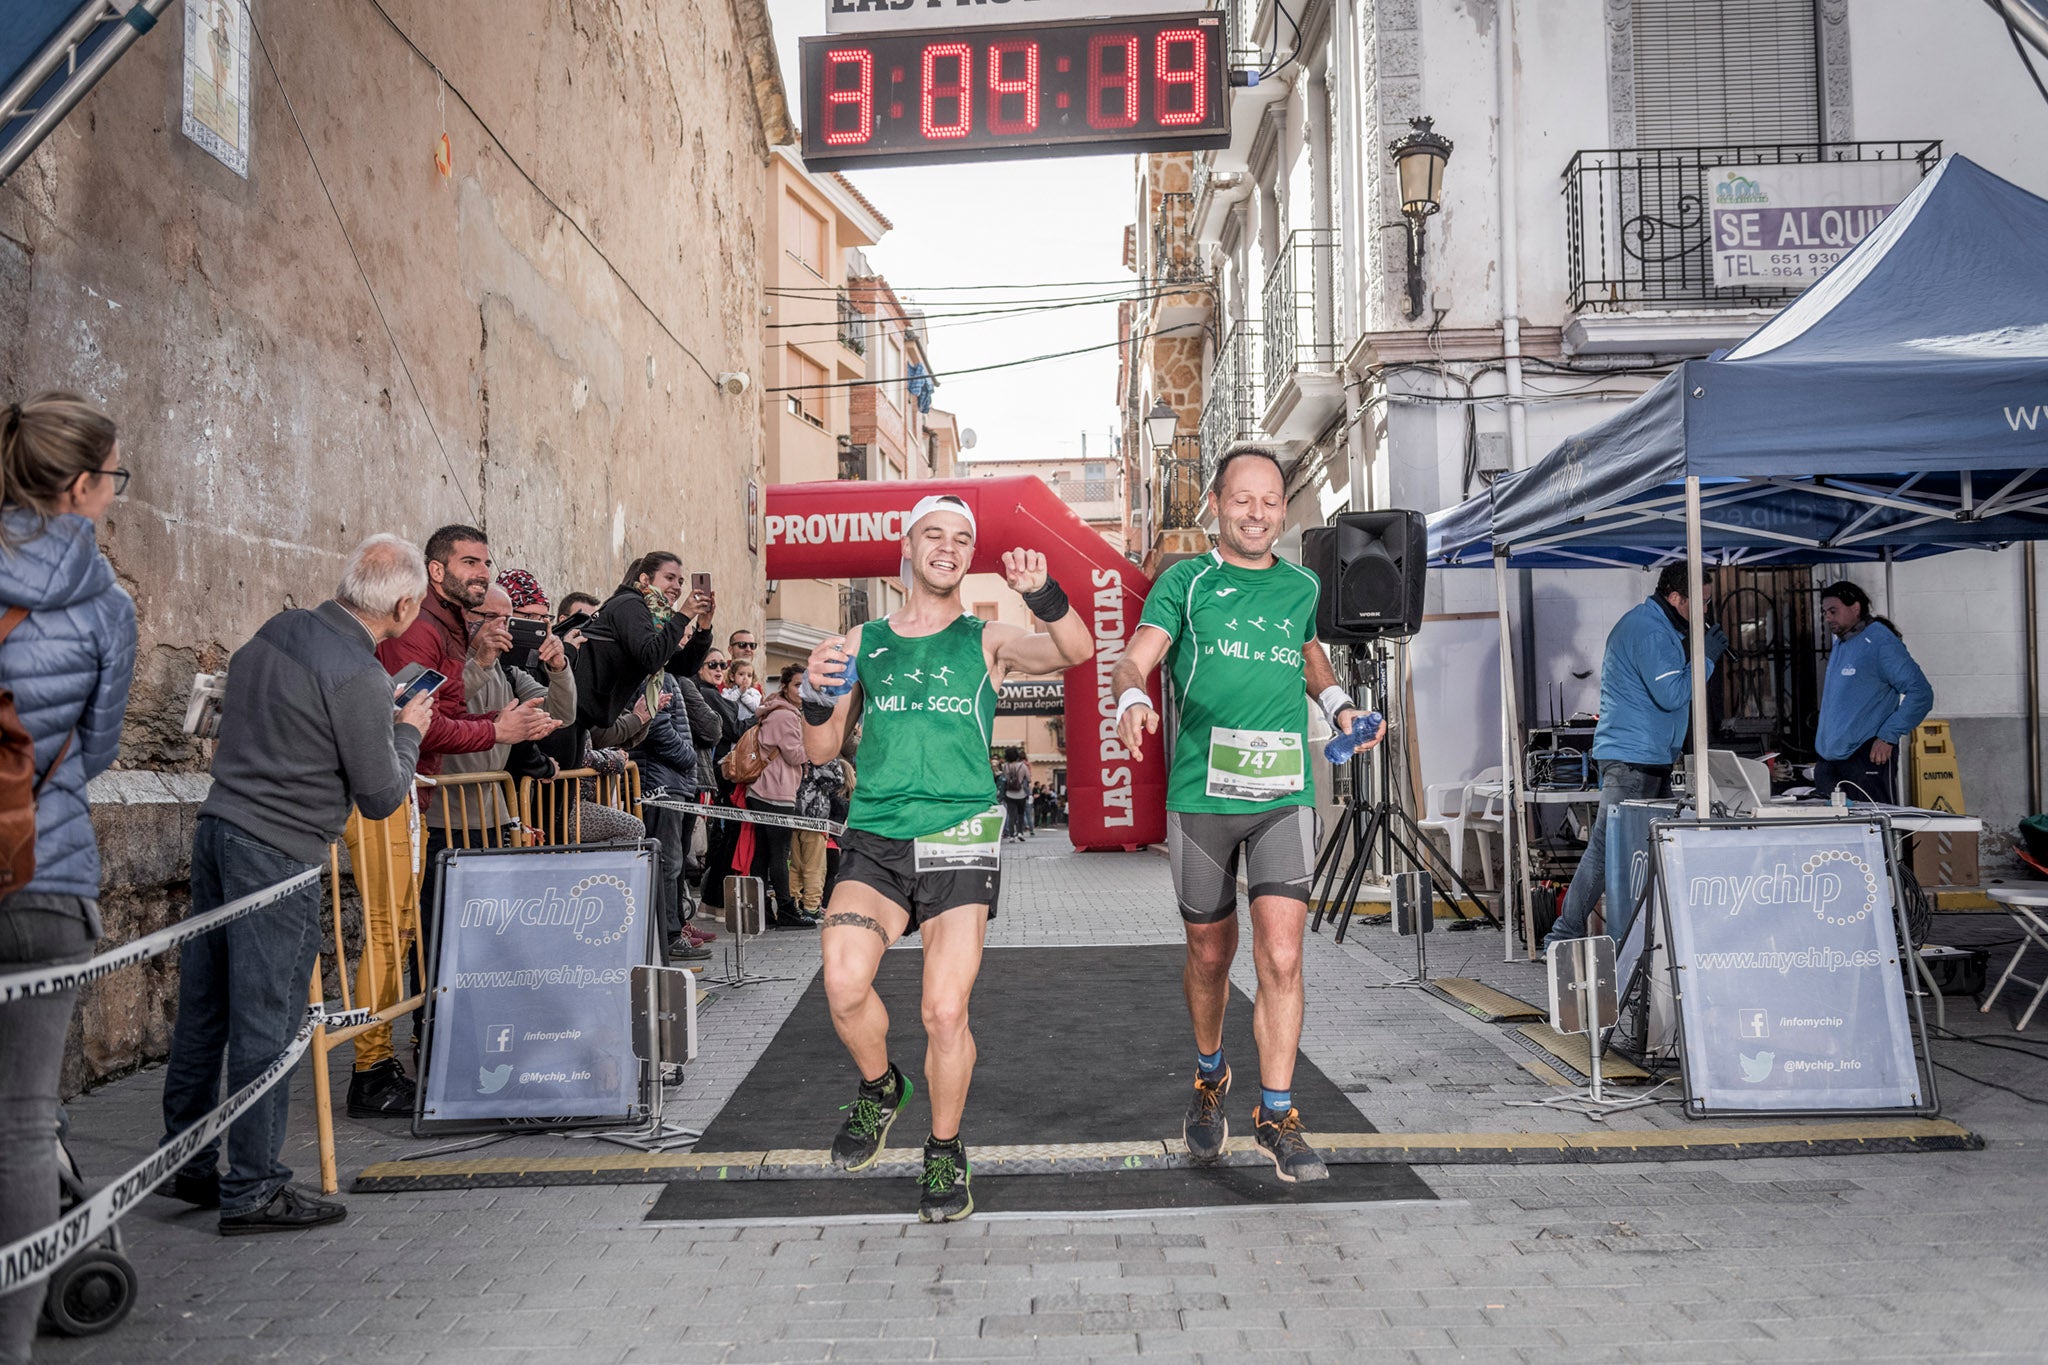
{"type": "Point", "coordinates": [458, 577]}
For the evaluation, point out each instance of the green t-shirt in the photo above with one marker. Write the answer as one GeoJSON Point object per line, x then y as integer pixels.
{"type": "Point", "coordinates": [1234, 661]}
{"type": "Point", "coordinates": [927, 717]}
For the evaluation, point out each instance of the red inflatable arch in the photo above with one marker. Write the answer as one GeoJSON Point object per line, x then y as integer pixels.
{"type": "Point", "coordinates": [855, 530]}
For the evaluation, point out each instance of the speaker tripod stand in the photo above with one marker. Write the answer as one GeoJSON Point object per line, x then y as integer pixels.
{"type": "Point", "coordinates": [1382, 824]}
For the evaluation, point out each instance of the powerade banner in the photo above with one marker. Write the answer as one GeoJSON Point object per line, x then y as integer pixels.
{"type": "Point", "coordinates": [1786, 951]}
{"type": "Point", "coordinates": [532, 1012]}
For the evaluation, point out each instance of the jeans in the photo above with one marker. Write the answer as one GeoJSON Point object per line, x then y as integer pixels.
{"type": "Point", "coordinates": [1619, 782]}
{"type": "Point", "coordinates": [670, 830]}
{"type": "Point", "coordinates": [1016, 819]}
{"type": "Point", "coordinates": [36, 930]}
{"type": "Point", "coordinates": [1864, 780]}
{"type": "Point", "coordinates": [241, 996]}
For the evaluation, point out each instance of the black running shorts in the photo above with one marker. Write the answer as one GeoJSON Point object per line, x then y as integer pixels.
{"type": "Point", "coordinates": [890, 867]}
{"type": "Point", "coordinates": [1279, 849]}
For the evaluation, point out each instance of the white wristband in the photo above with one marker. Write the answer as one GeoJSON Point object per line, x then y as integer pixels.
{"type": "Point", "coordinates": [1133, 696]}
{"type": "Point", "coordinates": [1334, 700]}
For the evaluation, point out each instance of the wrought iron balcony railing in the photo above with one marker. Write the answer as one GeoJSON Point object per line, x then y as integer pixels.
{"type": "Point", "coordinates": [1638, 226]}
{"type": "Point", "coordinates": [1178, 485]}
{"type": "Point", "coordinates": [1176, 256]}
{"type": "Point", "coordinates": [853, 463]}
{"type": "Point", "coordinates": [853, 607]}
{"type": "Point", "coordinates": [1235, 395]}
{"type": "Point", "coordinates": [853, 330]}
{"type": "Point", "coordinates": [1298, 325]}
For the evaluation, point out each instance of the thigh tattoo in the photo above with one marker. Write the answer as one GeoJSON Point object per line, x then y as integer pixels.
{"type": "Point", "coordinates": [853, 921]}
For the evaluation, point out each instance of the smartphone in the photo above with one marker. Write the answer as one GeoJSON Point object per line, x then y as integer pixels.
{"type": "Point", "coordinates": [427, 682]}
{"type": "Point", "coordinates": [527, 633]}
{"type": "Point", "coordinates": [700, 582]}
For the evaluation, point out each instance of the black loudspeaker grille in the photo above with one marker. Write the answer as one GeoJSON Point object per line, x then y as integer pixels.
{"type": "Point", "coordinates": [1372, 566]}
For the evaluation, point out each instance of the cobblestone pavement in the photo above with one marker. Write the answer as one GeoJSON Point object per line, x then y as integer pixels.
{"type": "Point", "coordinates": [1930, 1257]}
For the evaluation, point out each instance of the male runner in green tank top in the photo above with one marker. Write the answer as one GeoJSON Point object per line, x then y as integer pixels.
{"type": "Point", "coordinates": [1237, 630]}
{"type": "Point", "coordinates": [923, 844]}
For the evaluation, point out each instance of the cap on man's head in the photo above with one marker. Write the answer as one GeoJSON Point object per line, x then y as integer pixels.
{"type": "Point", "coordinates": [941, 502]}
{"type": "Point", "coordinates": [523, 588]}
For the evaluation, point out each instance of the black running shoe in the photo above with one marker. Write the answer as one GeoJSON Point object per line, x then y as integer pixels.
{"type": "Point", "coordinates": [946, 1189]}
{"type": "Point", "coordinates": [859, 1142]}
{"type": "Point", "coordinates": [1282, 1140]}
{"type": "Point", "coordinates": [1206, 1129]}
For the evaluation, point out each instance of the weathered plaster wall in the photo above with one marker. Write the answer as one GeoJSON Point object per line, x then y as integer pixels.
{"type": "Point", "coordinates": [270, 424]}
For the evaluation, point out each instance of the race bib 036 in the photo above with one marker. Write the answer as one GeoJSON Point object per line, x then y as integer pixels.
{"type": "Point", "coordinates": [973, 845]}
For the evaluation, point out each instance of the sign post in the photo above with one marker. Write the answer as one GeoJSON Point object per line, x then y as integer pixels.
{"type": "Point", "coordinates": [1583, 1000]}
{"type": "Point", "coordinates": [1784, 939]}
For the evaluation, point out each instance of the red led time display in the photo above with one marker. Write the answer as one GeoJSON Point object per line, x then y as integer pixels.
{"type": "Point", "coordinates": [1153, 84]}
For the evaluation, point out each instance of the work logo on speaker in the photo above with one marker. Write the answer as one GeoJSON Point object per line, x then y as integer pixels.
{"type": "Point", "coordinates": [1786, 949]}
{"type": "Point", "coordinates": [532, 1000]}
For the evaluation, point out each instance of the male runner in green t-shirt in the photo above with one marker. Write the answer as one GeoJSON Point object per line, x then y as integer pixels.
{"type": "Point", "coordinates": [1237, 631]}
{"type": "Point", "coordinates": [923, 844]}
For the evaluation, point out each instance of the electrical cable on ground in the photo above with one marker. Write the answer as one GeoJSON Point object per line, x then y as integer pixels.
{"type": "Point", "coordinates": [549, 199]}
{"type": "Point", "coordinates": [1992, 1085]}
{"type": "Point", "coordinates": [376, 303]}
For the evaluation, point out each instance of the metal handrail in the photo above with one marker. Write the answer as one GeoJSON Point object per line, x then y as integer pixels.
{"type": "Point", "coordinates": [852, 325]}
{"type": "Point", "coordinates": [1300, 307]}
{"type": "Point", "coordinates": [1236, 395]}
{"type": "Point", "coordinates": [1176, 256]}
{"type": "Point", "coordinates": [1179, 485]}
{"type": "Point", "coordinates": [1637, 225]}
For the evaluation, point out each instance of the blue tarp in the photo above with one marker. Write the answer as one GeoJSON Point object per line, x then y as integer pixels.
{"type": "Point", "coordinates": [1900, 403]}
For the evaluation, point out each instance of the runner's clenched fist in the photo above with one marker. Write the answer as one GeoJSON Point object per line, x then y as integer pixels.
{"type": "Point", "coordinates": [1024, 570]}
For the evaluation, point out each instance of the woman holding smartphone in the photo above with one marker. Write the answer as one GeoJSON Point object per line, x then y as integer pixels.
{"type": "Point", "coordinates": [643, 630]}
{"type": "Point", "coordinates": [67, 656]}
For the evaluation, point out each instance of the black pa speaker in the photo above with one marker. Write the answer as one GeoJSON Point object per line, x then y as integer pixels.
{"type": "Point", "coordinates": [1371, 565]}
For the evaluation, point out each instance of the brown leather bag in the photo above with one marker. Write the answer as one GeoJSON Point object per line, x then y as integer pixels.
{"type": "Point", "coordinates": [19, 785]}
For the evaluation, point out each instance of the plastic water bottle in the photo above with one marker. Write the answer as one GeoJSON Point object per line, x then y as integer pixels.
{"type": "Point", "coordinates": [1342, 747]}
{"type": "Point", "coordinates": [846, 680]}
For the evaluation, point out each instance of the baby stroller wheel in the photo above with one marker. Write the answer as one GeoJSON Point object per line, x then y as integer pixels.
{"type": "Point", "coordinates": [91, 1293]}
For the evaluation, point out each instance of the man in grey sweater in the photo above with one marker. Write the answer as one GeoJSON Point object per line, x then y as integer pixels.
{"type": "Point", "coordinates": [307, 730]}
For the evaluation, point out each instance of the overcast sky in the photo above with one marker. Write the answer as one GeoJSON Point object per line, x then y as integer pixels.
{"type": "Point", "coordinates": [1001, 222]}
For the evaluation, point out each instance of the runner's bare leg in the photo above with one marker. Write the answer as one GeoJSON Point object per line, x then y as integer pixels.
{"type": "Point", "coordinates": [1205, 979]}
{"type": "Point", "coordinates": [952, 959]}
{"type": "Point", "coordinates": [860, 924]}
{"type": "Point", "coordinates": [1277, 928]}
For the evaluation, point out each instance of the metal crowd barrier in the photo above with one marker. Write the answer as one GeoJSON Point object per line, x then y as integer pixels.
{"type": "Point", "coordinates": [551, 809]}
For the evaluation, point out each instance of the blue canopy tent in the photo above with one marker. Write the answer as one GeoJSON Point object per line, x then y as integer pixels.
{"type": "Point", "coordinates": [1897, 408]}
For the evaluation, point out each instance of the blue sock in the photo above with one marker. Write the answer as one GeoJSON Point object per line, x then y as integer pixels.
{"type": "Point", "coordinates": [1276, 1102]}
{"type": "Point", "coordinates": [1209, 1065]}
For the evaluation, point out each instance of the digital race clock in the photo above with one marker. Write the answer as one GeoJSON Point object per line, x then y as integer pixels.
{"type": "Point", "coordinates": [1152, 84]}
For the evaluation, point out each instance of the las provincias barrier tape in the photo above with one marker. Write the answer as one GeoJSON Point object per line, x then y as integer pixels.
{"type": "Point", "coordinates": [37, 1256]}
{"type": "Point", "coordinates": [49, 980]}
{"type": "Point", "coordinates": [747, 817]}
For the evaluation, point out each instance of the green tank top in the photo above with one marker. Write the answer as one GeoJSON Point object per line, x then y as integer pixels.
{"type": "Point", "coordinates": [926, 724]}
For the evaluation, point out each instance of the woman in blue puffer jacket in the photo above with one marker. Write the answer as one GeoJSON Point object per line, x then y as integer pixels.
{"type": "Point", "coordinates": [68, 663]}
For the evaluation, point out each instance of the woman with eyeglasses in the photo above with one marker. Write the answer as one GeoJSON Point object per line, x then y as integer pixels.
{"type": "Point", "coordinates": [67, 656]}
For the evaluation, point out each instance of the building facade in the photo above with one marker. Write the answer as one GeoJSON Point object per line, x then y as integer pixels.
{"type": "Point", "coordinates": [1567, 268]}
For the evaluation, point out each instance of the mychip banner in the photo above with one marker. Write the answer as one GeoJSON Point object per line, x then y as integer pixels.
{"type": "Point", "coordinates": [1785, 949]}
{"type": "Point", "coordinates": [531, 1014]}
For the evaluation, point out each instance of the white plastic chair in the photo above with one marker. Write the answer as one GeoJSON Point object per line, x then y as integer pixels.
{"type": "Point", "coordinates": [1443, 812]}
{"type": "Point", "coordinates": [1485, 814]}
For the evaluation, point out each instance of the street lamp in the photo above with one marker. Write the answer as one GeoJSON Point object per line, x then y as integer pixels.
{"type": "Point", "coordinates": [1419, 158]}
{"type": "Point", "coordinates": [1162, 424]}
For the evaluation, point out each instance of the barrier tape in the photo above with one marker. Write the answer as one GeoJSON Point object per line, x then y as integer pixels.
{"type": "Point", "coordinates": [50, 980]}
{"type": "Point", "coordinates": [747, 817]}
{"type": "Point", "coordinates": [41, 1254]}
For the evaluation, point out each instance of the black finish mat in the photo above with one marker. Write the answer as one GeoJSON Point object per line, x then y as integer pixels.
{"type": "Point", "coordinates": [1075, 1045]}
{"type": "Point", "coordinates": [1089, 1192]}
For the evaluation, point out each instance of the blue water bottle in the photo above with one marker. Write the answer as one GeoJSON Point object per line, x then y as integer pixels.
{"type": "Point", "coordinates": [846, 680]}
{"type": "Point", "coordinates": [1342, 747]}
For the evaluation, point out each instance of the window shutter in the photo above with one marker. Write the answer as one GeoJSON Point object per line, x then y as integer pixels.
{"type": "Point", "coordinates": [1719, 72]}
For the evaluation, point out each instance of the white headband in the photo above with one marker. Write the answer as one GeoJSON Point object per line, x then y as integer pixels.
{"type": "Point", "coordinates": [940, 502]}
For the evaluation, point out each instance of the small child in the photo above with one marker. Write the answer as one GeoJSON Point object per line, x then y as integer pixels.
{"type": "Point", "coordinates": [741, 688]}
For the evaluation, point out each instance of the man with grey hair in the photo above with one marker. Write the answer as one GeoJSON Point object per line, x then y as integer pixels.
{"type": "Point", "coordinates": [308, 730]}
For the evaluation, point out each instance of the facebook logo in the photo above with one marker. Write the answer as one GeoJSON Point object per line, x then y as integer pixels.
{"type": "Point", "coordinates": [498, 1038]}
{"type": "Point", "coordinates": [1754, 1023]}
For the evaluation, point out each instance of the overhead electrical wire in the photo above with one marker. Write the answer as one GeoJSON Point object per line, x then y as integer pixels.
{"type": "Point", "coordinates": [941, 375]}
{"type": "Point", "coordinates": [941, 321]}
{"type": "Point", "coordinates": [966, 288]}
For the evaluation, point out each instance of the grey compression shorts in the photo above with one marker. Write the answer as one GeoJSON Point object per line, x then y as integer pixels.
{"type": "Point", "coordinates": [1279, 849]}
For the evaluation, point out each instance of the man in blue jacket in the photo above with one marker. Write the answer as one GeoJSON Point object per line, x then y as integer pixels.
{"type": "Point", "coordinates": [1873, 697]}
{"type": "Point", "coordinates": [1645, 705]}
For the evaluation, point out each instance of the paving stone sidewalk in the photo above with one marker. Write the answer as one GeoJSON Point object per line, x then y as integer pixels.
{"type": "Point", "coordinates": [1933, 1257]}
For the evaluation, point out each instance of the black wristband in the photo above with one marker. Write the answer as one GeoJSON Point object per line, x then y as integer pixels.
{"type": "Point", "coordinates": [1049, 603]}
{"type": "Point", "coordinates": [819, 713]}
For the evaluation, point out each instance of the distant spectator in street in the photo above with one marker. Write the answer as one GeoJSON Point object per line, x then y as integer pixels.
{"type": "Point", "coordinates": [822, 791]}
{"type": "Point", "coordinates": [721, 834]}
{"type": "Point", "coordinates": [743, 691]}
{"type": "Point", "coordinates": [746, 649]}
{"type": "Point", "coordinates": [307, 731]}
{"type": "Point", "coordinates": [668, 768]}
{"type": "Point", "coordinates": [458, 560]}
{"type": "Point", "coordinates": [490, 686]}
{"type": "Point", "coordinates": [574, 606]}
{"type": "Point", "coordinates": [1873, 697]}
{"type": "Point", "coordinates": [774, 791]}
{"type": "Point", "coordinates": [1015, 782]}
{"type": "Point", "coordinates": [67, 654]}
{"type": "Point", "coordinates": [564, 747]}
{"type": "Point", "coordinates": [637, 635]}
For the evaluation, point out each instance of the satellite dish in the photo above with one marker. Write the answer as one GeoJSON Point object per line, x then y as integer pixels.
{"type": "Point", "coordinates": [968, 438]}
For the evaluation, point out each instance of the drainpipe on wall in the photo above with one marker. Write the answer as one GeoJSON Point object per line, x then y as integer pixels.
{"type": "Point", "coordinates": [1506, 151]}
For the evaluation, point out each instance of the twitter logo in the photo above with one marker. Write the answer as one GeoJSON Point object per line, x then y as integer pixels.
{"type": "Point", "coordinates": [492, 1081]}
{"type": "Point", "coordinates": [1757, 1069]}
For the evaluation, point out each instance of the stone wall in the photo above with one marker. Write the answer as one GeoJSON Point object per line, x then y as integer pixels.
{"type": "Point", "coordinates": [558, 306]}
